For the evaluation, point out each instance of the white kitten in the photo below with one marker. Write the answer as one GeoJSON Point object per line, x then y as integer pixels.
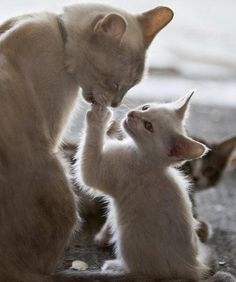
{"type": "Point", "coordinates": [152, 222]}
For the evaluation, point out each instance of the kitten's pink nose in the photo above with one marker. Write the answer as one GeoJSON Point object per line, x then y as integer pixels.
{"type": "Point", "coordinates": [132, 114]}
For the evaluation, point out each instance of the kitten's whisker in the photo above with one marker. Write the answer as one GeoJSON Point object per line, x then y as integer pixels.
{"type": "Point", "coordinates": [126, 106]}
{"type": "Point", "coordinates": [130, 104]}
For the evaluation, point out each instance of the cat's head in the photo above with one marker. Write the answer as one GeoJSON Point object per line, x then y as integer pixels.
{"type": "Point", "coordinates": [106, 47]}
{"type": "Point", "coordinates": [158, 130]}
{"type": "Point", "coordinates": [207, 172]}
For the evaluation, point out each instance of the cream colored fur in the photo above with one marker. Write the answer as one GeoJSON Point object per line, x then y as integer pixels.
{"type": "Point", "coordinates": [44, 58]}
{"type": "Point", "coordinates": [150, 211]}
{"type": "Point", "coordinates": [38, 89]}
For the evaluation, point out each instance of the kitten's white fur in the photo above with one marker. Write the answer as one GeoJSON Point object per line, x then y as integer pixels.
{"type": "Point", "coordinates": [150, 211]}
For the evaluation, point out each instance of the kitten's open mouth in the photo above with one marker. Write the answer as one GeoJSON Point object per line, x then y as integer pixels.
{"type": "Point", "coordinates": [128, 127]}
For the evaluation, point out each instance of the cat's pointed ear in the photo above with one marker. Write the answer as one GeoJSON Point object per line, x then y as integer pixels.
{"type": "Point", "coordinates": [113, 25]}
{"type": "Point", "coordinates": [226, 147]}
{"type": "Point", "coordinates": [181, 106]}
{"type": "Point", "coordinates": [153, 21]}
{"type": "Point", "coordinates": [185, 148]}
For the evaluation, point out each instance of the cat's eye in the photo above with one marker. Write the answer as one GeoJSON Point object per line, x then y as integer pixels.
{"type": "Point", "coordinates": [148, 125]}
{"type": "Point", "coordinates": [145, 107]}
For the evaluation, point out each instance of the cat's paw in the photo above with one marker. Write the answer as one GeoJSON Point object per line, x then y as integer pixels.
{"type": "Point", "coordinates": [98, 113]}
{"type": "Point", "coordinates": [113, 266]}
{"type": "Point", "coordinates": [204, 230]}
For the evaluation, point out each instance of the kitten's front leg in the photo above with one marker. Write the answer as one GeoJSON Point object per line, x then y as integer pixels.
{"type": "Point", "coordinates": [91, 151]}
{"type": "Point", "coordinates": [97, 119]}
{"type": "Point", "coordinates": [115, 131]}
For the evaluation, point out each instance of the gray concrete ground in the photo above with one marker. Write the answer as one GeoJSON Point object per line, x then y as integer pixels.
{"type": "Point", "coordinates": [217, 206]}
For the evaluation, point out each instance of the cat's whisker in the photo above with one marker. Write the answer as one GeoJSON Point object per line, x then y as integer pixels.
{"type": "Point", "coordinates": [128, 105]}
{"type": "Point", "coordinates": [131, 104]}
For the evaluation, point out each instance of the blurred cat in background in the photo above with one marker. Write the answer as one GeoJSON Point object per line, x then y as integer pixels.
{"type": "Point", "coordinates": [207, 172]}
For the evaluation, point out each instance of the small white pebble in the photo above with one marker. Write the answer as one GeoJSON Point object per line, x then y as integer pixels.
{"type": "Point", "coordinates": [79, 265]}
{"type": "Point", "coordinates": [222, 263]}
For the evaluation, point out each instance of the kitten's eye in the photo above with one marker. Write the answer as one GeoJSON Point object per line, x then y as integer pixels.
{"type": "Point", "coordinates": [148, 125]}
{"type": "Point", "coordinates": [144, 108]}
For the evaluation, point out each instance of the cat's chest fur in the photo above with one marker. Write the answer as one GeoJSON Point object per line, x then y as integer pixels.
{"type": "Point", "coordinates": [154, 215]}
{"type": "Point", "coordinates": [39, 72]}
{"type": "Point", "coordinates": [155, 199]}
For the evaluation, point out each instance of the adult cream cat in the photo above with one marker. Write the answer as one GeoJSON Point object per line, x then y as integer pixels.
{"type": "Point", "coordinates": [44, 58]}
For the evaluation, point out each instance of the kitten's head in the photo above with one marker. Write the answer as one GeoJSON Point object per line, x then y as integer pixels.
{"type": "Point", "coordinates": [206, 172]}
{"type": "Point", "coordinates": [158, 129]}
{"type": "Point", "coordinates": [106, 48]}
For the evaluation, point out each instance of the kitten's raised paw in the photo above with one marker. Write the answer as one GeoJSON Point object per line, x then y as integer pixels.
{"type": "Point", "coordinates": [99, 113]}
{"type": "Point", "coordinates": [113, 266]}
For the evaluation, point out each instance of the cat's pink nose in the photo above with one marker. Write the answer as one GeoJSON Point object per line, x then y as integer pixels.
{"type": "Point", "coordinates": [131, 114]}
{"type": "Point", "coordinates": [115, 104]}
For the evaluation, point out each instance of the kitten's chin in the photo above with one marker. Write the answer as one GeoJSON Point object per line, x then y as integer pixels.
{"type": "Point", "coordinates": [128, 128]}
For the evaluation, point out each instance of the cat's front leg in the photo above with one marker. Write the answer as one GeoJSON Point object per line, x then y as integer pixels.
{"type": "Point", "coordinates": [98, 116]}
{"type": "Point", "coordinates": [114, 266]}
{"type": "Point", "coordinates": [96, 123]}
{"type": "Point", "coordinates": [91, 150]}
{"type": "Point", "coordinates": [115, 131]}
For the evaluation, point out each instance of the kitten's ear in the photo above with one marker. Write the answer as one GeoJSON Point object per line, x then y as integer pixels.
{"type": "Point", "coordinates": [153, 21]}
{"type": "Point", "coordinates": [185, 148]}
{"type": "Point", "coordinates": [226, 148]}
{"type": "Point", "coordinates": [181, 106]}
{"type": "Point", "coordinates": [112, 25]}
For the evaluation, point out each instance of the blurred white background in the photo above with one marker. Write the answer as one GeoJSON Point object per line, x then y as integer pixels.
{"type": "Point", "coordinates": [197, 50]}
